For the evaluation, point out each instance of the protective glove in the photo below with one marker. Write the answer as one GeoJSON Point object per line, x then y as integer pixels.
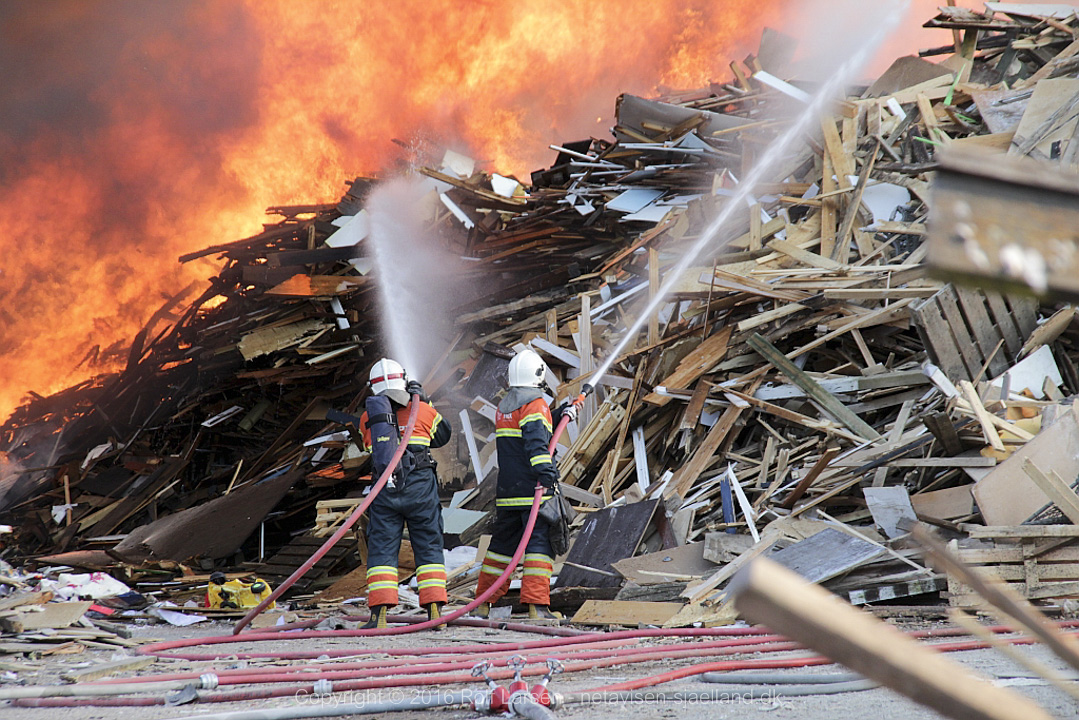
{"type": "Point", "coordinates": [566, 409]}
{"type": "Point", "coordinates": [413, 387]}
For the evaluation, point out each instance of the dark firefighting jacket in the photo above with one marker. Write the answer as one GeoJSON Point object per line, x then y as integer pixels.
{"type": "Point", "coordinates": [429, 431]}
{"type": "Point", "coordinates": [523, 437]}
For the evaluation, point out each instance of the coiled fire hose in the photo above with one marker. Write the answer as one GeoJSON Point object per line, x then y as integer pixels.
{"type": "Point", "coordinates": [537, 500]}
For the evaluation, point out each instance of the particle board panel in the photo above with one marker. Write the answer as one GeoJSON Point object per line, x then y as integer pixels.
{"type": "Point", "coordinates": [1007, 496]}
{"type": "Point", "coordinates": [625, 612]}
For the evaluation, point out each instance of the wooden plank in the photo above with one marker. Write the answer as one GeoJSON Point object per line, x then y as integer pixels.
{"type": "Point", "coordinates": [893, 591]}
{"type": "Point", "coordinates": [689, 472]}
{"type": "Point", "coordinates": [800, 378]}
{"type": "Point", "coordinates": [625, 612]}
{"type": "Point", "coordinates": [105, 669]}
{"type": "Point", "coordinates": [985, 332]}
{"type": "Point", "coordinates": [944, 504]}
{"type": "Point", "coordinates": [1005, 323]}
{"type": "Point", "coordinates": [966, 461]}
{"type": "Point", "coordinates": [771, 595]}
{"type": "Point", "coordinates": [723, 547]}
{"type": "Point", "coordinates": [699, 361]}
{"type": "Point", "coordinates": [1020, 531]}
{"type": "Point", "coordinates": [653, 289]}
{"type": "Point", "coordinates": [944, 431]}
{"type": "Point", "coordinates": [982, 415]}
{"type": "Point", "coordinates": [805, 257]}
{"type": "Point", "coordinates": [806, 482]}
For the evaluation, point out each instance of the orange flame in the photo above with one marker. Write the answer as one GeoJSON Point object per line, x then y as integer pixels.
{"type": "Point", "coordinates": [144, 132]}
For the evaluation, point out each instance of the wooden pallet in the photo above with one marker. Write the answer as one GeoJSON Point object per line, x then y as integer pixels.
{"type": "Point", "coordinates": [329, 514]}
{"type": "Point", "coordinates": [1036, 568]}
{"type": "Point", "coordinates": [962, 329]}
{"type": "Point", "coordinates": [340, 559]}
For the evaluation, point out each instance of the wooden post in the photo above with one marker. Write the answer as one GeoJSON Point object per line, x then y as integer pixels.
{"type": "Point", "coordinates": [552, 326]}
{"type": "Point", "coordinates": [67, 499]}
{"type": "Point", "coordinates": [755, 242]}
{"type": "Point", "coordinates": [769, 594]}
{"type": "Point", "coordinates": [584, 330]}
{"type": "Point", "coordinates": [653, 288]}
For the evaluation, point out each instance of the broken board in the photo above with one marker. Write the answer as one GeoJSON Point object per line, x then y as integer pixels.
{"type": "Point", "coordinates": [679, 564]}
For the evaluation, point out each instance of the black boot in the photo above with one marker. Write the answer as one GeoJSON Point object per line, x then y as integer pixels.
{"type": "Point", "coordinates": [378, 618]}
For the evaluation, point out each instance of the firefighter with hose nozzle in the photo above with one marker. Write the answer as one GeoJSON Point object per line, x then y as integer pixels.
{"type": "Point", "coordinates": [523, 428]}
{"type": "Point", "coordinates": [410, 496]}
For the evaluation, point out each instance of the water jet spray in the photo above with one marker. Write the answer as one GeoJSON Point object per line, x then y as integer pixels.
{"type": "Point", "coordinates": [773, 154]}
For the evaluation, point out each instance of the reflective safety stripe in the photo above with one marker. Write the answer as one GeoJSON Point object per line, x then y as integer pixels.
{"type": "Point", "coordinates": [507, 432]}
{"type": "Point", "coordinates": [430, 567]}
{"type": "Point", "coordinates": [533, 417]}
{"type": "Point", "coordinates": [382, 570]}
{"type": "Point", "coordinates": [494, 564]}
{"type": "Point", "coordinates": [413, 440]}
{"type": "Point", "coordinates": [539, 459]}
{"type": "Point", "coordinates": [538, 565]}
{"type": "Point", "coordinates": [384, 585]}
{"type": "Point", "coordinates": [431, 575]}
{"type": "Point", "coordinates": [514, 501]}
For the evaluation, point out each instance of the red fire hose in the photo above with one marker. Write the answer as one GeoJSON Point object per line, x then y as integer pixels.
{"type": "Point", "coordinates": [365, 680]}
{"type": "Point", "coordinates": [302, 570]}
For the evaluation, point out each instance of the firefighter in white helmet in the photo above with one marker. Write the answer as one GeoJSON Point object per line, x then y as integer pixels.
{"type": "Point", "coordinates": [411, 496]}
{"type": "Point", "coordinates": [523, 428]}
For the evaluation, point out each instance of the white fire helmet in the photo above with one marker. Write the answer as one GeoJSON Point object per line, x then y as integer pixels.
{"type": "Point", "coordinates": [527, 369]}
{"type": "Point", "coordinates": [388, 378]}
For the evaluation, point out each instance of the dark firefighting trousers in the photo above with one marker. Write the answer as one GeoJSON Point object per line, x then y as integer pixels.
{"type": "Point", "coordinates": [416, 503]}
{"type": "Point", "coordinates": [506, 534]}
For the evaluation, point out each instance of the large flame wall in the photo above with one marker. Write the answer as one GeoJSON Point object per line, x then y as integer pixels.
{"type": "Point", "coordinates": [135, 131]}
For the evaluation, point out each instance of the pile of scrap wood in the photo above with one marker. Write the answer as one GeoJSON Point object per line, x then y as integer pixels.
{"type": "Point", "coordinates": [807, 391]}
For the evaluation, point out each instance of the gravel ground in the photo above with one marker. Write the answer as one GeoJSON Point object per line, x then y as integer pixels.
{"type": "Point", "coordinates": [877, 704]}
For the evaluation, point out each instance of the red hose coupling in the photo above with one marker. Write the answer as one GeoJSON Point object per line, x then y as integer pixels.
{"type": "Point", "coordinates": [539, 691]}
{"type": "Point", "coordinates": [518, 685]}
{"type": "Point", "coordinates": [541, 695]}
{"type": "Point", "coordinates": [495, 701]}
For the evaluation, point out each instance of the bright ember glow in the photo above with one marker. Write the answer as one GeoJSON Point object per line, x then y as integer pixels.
{"type": "Point", "coordinates": [134, 132]}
